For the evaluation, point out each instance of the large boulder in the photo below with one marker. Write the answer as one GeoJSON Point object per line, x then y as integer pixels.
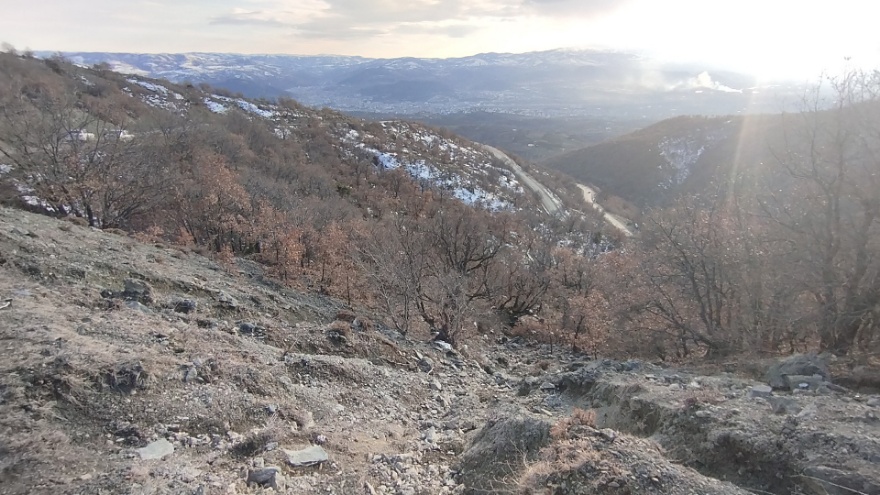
{"type": "Point", "coordinates": [798, 364]}
{"type": "Point", "coordinates": [496, 456]}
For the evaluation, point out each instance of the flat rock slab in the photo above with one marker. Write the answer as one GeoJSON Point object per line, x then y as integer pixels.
{"type": "Point", "coordinates": [156, 450]}
{"type": "Point", "coordinates": [306, 457]}
{"type": "Point", "coordinates": [761, 391]}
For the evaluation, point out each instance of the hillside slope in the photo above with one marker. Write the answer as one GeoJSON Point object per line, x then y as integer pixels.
{"type": "Point", "coordinates": [676, 156]}
{"type": "Point", "coordinates": [147, 369]}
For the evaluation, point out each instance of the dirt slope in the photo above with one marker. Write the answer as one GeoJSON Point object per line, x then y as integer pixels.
{"type": "Point", "coordinates": [113, 352]}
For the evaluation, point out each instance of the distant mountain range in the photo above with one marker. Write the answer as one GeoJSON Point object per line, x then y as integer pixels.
{"type": "Point", "coordinates": [556, 83]}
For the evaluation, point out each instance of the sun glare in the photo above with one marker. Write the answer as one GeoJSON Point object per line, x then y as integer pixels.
{"type": "Point", "coordinates": [782, 38]}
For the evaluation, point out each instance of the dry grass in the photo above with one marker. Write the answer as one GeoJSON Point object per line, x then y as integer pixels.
{"type": "Point", "coordinates": [579, 417]}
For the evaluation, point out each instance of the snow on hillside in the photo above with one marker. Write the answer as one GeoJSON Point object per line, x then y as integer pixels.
{"type": "Point", "coordinates": [448, 164]}
{"type": "Point", "coordinates": [465, 171]}
{"type": "Point", "coordinates": [682, 153]}
{"type": "Point", "coordinates": [159, 96]}
{"type": "Point", "coordinates": [214, 106]}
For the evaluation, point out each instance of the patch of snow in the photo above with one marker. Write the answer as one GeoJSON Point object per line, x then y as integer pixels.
{"type": "Point", "coordinates": [148, 85]}
{"type": "Point", "coordinates": [251, 108]}
{"type": "Point", "coordinates": [682, 154]}
{"type": "Point", "coordinates": [5, 169]}
{"type": "Point", "coordinates": [214, 106]}
{"type": "Point", "coordinates": [422, 170]}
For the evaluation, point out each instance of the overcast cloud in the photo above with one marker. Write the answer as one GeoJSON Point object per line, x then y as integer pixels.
{"type": "Point", "coordinates": [780, 35]}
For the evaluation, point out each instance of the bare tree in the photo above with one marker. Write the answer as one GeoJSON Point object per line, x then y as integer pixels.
{"type": "Point", "coordinates": [832, 211]}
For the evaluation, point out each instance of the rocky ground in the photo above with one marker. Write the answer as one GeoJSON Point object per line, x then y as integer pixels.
{"type": "Point", "coordinates": [140, 368]}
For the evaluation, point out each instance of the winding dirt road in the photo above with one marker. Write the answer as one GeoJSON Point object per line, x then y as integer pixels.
{"type": "Point", "coordinates": [549, 201]}
{"type": "Point", "coordinates": [590, 197]}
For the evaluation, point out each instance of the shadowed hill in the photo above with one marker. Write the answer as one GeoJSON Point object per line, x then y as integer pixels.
{"type": "Point", "coordinates": [674, 157]}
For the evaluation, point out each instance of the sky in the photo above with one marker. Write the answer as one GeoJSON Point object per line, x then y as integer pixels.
{"type": "Point", "coordinates": [767, 38]}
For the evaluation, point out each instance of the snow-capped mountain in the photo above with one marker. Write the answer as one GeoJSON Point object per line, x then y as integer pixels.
{"type": "Point", "coordinates": [548, 83]}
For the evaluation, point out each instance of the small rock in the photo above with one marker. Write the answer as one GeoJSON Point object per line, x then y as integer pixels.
{"type": "Point", "coordinates": [436, 385]}
{"type": "Point", "coordinates": [251, 329]}
{"type": "Point", "coordinates": [430, 435]}
{"type": "Point", "coordinates": [268, 476]}
{"type": "Point", "coordinates": [227, 301]}
{"type": "Point", "coordinates": [137, 290]}
{"type": "Point", "coordinates": [608, 434]}
{"type": "Point", "coordinates": [798, 364]}
{"type": "Point", "coordinates": [873, 402]}
{"type": "Point", "coordinates": [804, 382]}
{"type": "Point", "coordinates": [425, 364]}
{"type": "Point", "coordinates": [784, 405]}
{"type": "Point", "coordinates": [306, 457]}
{"type": "Point", "coordinates": [156, 450]}
{"type": "Point", "coordinates": [137, 306]}
{"type": "Point", "coordinates": [183, 305]}
{"type": "Point", "coordinates": [547, 387]}
{"type": "Point", "coordinates": [761, 391]}
{"type": "Point", "coordinates": [190, 374]}
{"type": "Point", "coordinates": [443, 346]}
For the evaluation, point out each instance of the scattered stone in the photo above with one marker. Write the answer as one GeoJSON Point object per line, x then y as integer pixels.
{"type": "Point", "coordinates": [309, 456]}
{"type": "Point", "coordinates": [227, 301]}
{"type": "Point", "coordinates": [137, 306]}
{"type": "Point", "coordinates": [631, 365]}
{"type": "Point", "coordinates": [156, 450]}
{"type": "Point", "coordinates": [251, 329]}
{"type": "Point", "coordinates": [137, 290]}
{"type": "Point", "coordinates": [873, 402]}
{"type": "Point", "coordinates": [443, 346]}
{"type": "Point", "coordinates": [426, 364]}
{"type": "Point", "coordinates": [435, 385]}
{"type": "Point", "coordinates": [547, 387]}
{"type": "Point", "coordinates": [761, 391]}
{"type": "Point", "coordinates": [784, 405]}
{"type": "Point", "coordinates": [430, 435]}
{"type": "Point", "coordinates": [798, 364]}
{"type": "Point", "coordinates": [190, 374]}
{"type": "Point", "coordinates": [183, 305]}
{"type": "Point", "coordinates": [268, 476]}
{"type": "Point", "coordinates": [804, 382]}
{"type": "Point", "coordinates": [553, 401]}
